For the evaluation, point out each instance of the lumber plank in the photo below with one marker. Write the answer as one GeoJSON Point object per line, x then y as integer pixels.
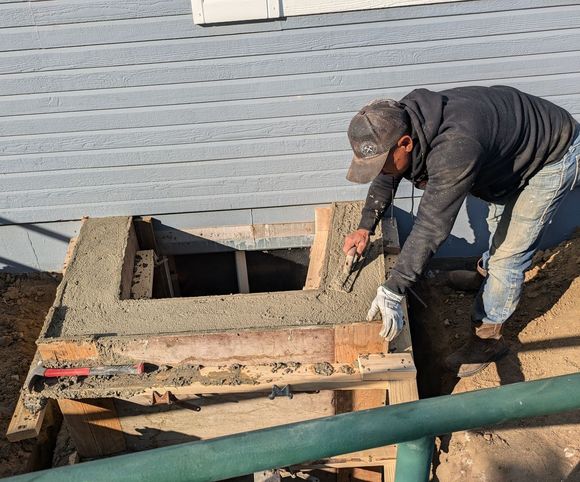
{"type": "Point", "coordinates": [94, 426]}
{"type": "Point", "coordinates": [219, 415]}
{"type": "Point", "coordinates": [351, 341]}
{"type": "Point", "coordinates": [24, 424]}
{"type": "Point", "coordinates": [402, 391]}
{"type": "Point", "coordinates": [354, 339]}
{"type": "Point", "coordinates": [162, 280]}
{"type": "Point", "coordinates": [248, 237]}
{"type": "Point", "coordinates": [298, 344]}
{"type": "Point", "coordinates": [235, 379]}
{"type": "Point", "coordinates": [373, 366]}
{"type": "Point", "coordinates": [389, 470]}
{"type": "Point", "coordinates": [322, 218]}
{"type": "Point", "coordinates": [68, 350]}
{"type": "Point", "coordinates": [371, 457]}
{"type": "Point", "coordinates": [145, 233]}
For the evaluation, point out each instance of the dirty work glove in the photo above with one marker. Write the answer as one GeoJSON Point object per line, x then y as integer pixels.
{"type": "Point", "coordinates": [389, 304]}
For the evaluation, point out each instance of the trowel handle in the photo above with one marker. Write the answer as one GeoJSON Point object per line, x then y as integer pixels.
{"type": "Point", "coordinates": [349, 260]}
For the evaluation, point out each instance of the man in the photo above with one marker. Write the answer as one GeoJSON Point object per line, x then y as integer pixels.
{"type": "Point", "coordinates": [518, 152]}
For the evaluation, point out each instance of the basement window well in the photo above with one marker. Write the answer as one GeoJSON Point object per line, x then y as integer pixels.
{"type": "Point", "coordinates": [218, 261]}
{"type": "Point", "coordinates": [242, 272]}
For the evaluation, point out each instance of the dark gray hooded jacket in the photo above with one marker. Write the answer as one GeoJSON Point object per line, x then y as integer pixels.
{"type": "Point", "coordinates": [487, 141]}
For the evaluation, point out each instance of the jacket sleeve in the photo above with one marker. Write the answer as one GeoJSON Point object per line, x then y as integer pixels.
{"type": "Point", "coordinates": [452, 167]}
{"type": "Point", "coordinates": [380, 196]}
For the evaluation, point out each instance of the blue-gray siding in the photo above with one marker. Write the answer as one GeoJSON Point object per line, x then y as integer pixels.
{"type": "Point", "coordinates": [111, 107]}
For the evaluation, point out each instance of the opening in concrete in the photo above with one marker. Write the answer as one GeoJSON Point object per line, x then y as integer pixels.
{"type": "Point", "coordinates": [210, 274]}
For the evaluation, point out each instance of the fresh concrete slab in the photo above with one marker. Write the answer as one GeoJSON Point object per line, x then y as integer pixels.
{"type": "Point", "coordinates": [91, 302]}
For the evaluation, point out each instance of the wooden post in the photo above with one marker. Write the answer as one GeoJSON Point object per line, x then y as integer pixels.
{"type": "Point", "coordinates": [322, 218]}
{"type": "Point", "coordinates": [242, 272]}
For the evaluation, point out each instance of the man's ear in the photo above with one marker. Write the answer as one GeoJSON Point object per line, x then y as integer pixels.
{"type": "Point", "coordinates": [406, 142]}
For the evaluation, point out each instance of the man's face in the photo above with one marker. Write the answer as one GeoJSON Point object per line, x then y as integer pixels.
{"type": "Point", "coordinates": [399, 158]}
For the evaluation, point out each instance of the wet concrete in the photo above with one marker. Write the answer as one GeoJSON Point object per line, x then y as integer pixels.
{"type": "Point", "coordinates": [88, 302]}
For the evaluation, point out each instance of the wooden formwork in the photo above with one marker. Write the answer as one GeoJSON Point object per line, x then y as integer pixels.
{"type": "Point", "coordinates": [335, 369]}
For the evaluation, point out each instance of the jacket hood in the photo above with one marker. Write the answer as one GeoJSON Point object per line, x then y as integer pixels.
{"type": "Point", "coordinates": [425, 110]}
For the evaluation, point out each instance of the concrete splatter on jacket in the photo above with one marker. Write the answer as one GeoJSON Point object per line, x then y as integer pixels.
{"type": "Point", "coordinates": [487, 141]}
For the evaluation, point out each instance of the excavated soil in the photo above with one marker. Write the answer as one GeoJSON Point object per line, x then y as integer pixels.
{"type": "Point", "coordinates": [24, 302]}
{"type": "Point", "coordinates": [544, 339]}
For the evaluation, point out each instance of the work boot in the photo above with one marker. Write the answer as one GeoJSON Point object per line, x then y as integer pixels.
{"type": "Point", "coordinates": [465, 280]}
{"type": "Point", "coordinates": [485, 345]}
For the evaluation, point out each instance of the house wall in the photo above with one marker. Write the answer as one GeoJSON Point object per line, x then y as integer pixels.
{"type": "Point", "coordinates": [128, 108]}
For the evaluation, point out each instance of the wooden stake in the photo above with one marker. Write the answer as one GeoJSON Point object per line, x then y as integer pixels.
{"type": "Point", "coordinates": [242, 272]}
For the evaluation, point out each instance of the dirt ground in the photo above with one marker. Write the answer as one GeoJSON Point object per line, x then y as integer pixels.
{"type": "Point", "coordinates": [543, 335]}
{"type": "Point", "coordinates": [544, 339]}
{"type": "Point", "coordinates": [24, 302]}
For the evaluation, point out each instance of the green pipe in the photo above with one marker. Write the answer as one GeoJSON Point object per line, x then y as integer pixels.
{"type": "Point", "coordinates": [414, 460]}
{"type": "Point", "coordinates": [249, 452]}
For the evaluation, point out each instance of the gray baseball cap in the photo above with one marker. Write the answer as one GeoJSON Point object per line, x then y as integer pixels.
{"type": "Point", "coordinates": [372, 133]}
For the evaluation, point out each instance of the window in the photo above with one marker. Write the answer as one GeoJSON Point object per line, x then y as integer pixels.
{"type": "Point", "coordinates": [222, 11]}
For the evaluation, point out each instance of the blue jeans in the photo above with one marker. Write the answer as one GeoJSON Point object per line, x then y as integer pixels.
{"type": "Point", "coordinates": [516, 229]}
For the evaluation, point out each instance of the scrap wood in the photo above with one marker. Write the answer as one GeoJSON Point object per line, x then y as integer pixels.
{"type": "Point", "coordinates": [24, 424]}
{"type": "Point", "coordinates": [371, 371]}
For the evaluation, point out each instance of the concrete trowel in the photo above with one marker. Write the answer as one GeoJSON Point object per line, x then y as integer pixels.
{"type": "Point", "coordinates": [353, 263]}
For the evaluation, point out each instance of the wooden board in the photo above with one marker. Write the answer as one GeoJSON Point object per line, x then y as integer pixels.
{"type": "Point", "coordinates": [243, 379]}
{"type": "Point", "coordinates": [68, 350]}
{"type": "Point", "coordinates": [304, 345]}
{"type": "Point", "coordinates": [218, 415]}
{"type": "Point", "coordinates": [399, 391]}
{"type": "Point", "coordinates": [242, 272]}
{"type": "Point", "coordinates": [24, 424]}
{"type": "Point", "coordinates": [163, 286]}
{"type": "Point", "coordinates": [322, 218]}
{"type": "Point", "coordinates": [371, 457]}
{"type": "Point", "coordinates": [299, 344]}
{"type": "Point", "coordinates": [352, 341]}
{"type": "Point", "coordinates": [94, 426]}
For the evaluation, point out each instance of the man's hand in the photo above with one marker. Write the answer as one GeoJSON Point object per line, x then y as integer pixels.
{"type": "Point", "coordinates": [389, 304]}
{"type": "Point", "coordinates": [358, 239]}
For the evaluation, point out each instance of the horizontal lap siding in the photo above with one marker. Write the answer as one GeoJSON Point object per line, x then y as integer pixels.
{"type": "Point", "coordinates": [111, 107]}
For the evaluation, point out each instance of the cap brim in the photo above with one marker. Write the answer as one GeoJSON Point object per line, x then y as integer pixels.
{"type": "Point", "coordinates": [365, 169]}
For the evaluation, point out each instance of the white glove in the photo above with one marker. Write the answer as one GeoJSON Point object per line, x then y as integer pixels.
{"type": "Point", "coordinates": [389, 304]}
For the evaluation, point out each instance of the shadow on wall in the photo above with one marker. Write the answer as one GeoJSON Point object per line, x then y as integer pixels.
{"type": "Point", "coordinates": [471, 222]}
{"type": "Point", "coordinates": [39, 232]}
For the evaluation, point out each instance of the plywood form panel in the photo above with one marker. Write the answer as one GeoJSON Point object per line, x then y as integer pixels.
{"type": "Point", "coordinates": [153, 427]}
{"type": "Point", "coordinates": [94, 426]}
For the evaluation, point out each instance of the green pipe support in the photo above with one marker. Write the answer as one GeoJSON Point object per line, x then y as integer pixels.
{"type": "Point", "coordinates": [285, 445]}
{"type": "Point", "coordinates": [414, 460]}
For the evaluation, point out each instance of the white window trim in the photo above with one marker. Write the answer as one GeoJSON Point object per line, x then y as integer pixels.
{"type": "Point", "coordinates": [223, 11]}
